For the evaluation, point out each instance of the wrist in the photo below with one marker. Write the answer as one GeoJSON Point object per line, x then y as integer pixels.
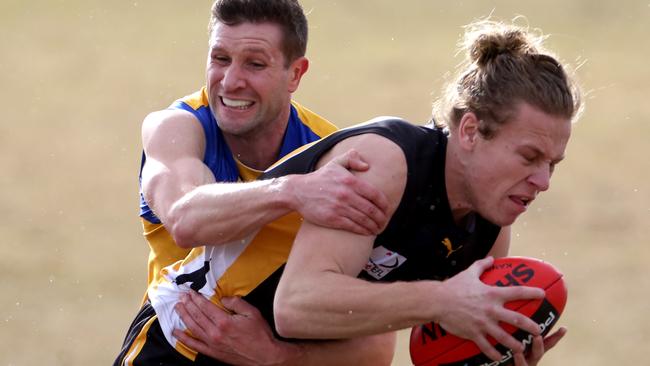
{"type": "Point", "coordinates": [285, 191]}
{"type": "Point", "coordinates": [288, 354]}
{"type": "Point", "coordinates": [435, 302]}
{"type": "Point", "coordinates": [444, 293]}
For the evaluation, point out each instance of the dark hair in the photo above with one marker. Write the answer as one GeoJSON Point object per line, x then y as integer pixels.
{"type": "Point", "coordinates": [506, 64]}
{"type": "Point", "coordinates": [288, 14]}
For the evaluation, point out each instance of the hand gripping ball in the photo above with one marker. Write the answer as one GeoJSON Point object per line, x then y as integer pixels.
{"type": "Point", "coordinates": [431, 345]}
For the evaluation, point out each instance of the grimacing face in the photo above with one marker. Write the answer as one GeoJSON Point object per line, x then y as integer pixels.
{"type": "Point", "coordinates": [249, 86]}
{"type": "Point", "coordinates": [507, 172]}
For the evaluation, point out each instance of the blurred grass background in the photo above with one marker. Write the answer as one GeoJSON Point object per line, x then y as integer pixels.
{"type": "Point", "coordinates": [78, 77]}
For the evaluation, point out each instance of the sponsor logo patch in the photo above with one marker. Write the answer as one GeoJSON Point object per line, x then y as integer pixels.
{"type": "Point", "coordinates": [382, 261]}
{"type": "Point", "coordinates": [450, 247]}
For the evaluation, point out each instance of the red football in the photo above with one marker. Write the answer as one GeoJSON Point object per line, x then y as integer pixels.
{"type": "Point", "coordinates": [431, 345]}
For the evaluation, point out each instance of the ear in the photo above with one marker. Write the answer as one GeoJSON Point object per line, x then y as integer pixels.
{"type": "Point", "coordinates": [468, 132]}
{"type": "Point", "coordinates": [297, 69]}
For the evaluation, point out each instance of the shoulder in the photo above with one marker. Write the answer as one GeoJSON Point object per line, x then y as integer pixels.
{"type": "Point", "coordinates": [377, 147]}
{"type": "Point", "coordinates": [171, 127]}
{"type": "Point", "coordinates": [319, 125]}
{"type": "Point", "coordinates": [402, 132]}
{"type": "Point", "coordinates": [387, 163]}
{"type": "Point", "coordinates": [193, 102]}
{"type": "Point", "coordinates": [169, 119]}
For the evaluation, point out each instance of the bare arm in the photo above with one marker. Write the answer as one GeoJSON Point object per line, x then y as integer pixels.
{"type": "Point", "coordinates": [321, 271]}
{"type": "Point", "coordinates": [319, 287]}
{"type": "Point", "coordinates": [227, 337]}
{"type": "Point", "coordinates": [196, 210]}
{"type": "Point", "coordinates": [501, 245]}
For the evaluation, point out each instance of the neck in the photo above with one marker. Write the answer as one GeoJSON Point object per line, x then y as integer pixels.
{"type": "Point", "coordinates": [258, 149]}
{"type": "Point", "coordinates": [455, 182]}
{"type": "Point", "coordinates": [258, 152]}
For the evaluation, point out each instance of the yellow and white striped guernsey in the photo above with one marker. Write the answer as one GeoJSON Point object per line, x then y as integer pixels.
{"type": "Point", "coordinates": [304, 127]}
{"type": "Point", "coordinates": [233, 269]}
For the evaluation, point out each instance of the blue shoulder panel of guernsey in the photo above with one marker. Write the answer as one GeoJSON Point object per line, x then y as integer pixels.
{"type": "Point", "coordinates": [304, 127]}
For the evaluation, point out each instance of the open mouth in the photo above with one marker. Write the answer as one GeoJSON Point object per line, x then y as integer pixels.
{"type": "Point", "coordinates": [522, 200]}
{"type": "Point", "coordinates": [236, 103]}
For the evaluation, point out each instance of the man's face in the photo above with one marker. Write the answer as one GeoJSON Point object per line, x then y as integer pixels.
{"type": "Point", "coordinates": [506, 172]}
{"type": "Point", "coordinates": [249, 86]}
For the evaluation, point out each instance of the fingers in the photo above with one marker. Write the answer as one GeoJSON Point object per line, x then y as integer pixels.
{"type": "Point", "coordinates": [362, 203]}
{"type": "Point", "coordinates": [365, 207]}
{"type": "Point", "coordinates": [541, 346]}
{"type": "Point", "coordinates": [518, 320]}
{"type": "Point", "coordinates": [201, 306]}
{"type": "Point", "coordinates": [522, 292]}
{"type": "Point", "coordinates": [537, 350]}
{"type": "Point", "coordinates": [199, 314]}
{"type": "Point", "coordinates": [362, 217]}
{"type": "Point", "coordinates": [515, 318]}
{"type": "Point", "coordinates": [551, 341]}
{"type": "Point", "coordinates": [481, 265]}
{"type": "Point", "coordinates": [239, 306]}
{"type": "Point", "coordinates": [374, 196]}
{"type": "Point", "coordinates": [347, 201]}
{"type": "Point", "coordinates": [371, 201]}
{"type": "Point", "coordinates": [487, 349]}
{"type": "Point", "coordinates": [507, 340]}
{"type": "Point", "coordinates": [359, 208]}
{"type": "Point", "coordinates": [353, 161]}
{"type": "Point", "coordinates": [192, 316]}
{"type": "Point", "coordinates": [520, 360]}
{"type": "Point", "coordinates": [191, 342]}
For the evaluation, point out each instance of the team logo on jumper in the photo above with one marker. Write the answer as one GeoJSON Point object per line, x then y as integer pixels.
{"type": "Point", "coordinates": [450, 248]}
{"type": "Point", "coordinates": [382, 261]}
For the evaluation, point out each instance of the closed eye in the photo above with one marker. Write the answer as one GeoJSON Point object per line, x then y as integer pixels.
{"type": "Point", "coordinates": [257, 64]}
{"type": "Point", "coordinates": [529, 158]}
{"type": "Point", "coordinates": [220, 59]}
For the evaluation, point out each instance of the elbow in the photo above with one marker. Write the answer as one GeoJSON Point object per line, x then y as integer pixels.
{"type": "Point", "coordinates": [286, 317]}
{"type": "Point", "coordinates": [181, 227]}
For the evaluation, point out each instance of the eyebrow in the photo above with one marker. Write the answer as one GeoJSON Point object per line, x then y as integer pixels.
{"type": "Point", "coordinates": [539, 152]}
{"type": "Point", "coordinates": [251, 49]}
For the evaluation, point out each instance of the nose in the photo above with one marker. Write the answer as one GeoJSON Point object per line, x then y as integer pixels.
{"type": "Point", "coordinates": [232, 78]}
{"type": "Point", "coordinates": [541, 178]}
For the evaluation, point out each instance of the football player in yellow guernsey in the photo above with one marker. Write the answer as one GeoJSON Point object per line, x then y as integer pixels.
{"type": "Point", "coordinates": [199, 152]}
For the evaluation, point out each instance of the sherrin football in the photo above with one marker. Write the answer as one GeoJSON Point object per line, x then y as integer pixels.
{"type": "Point", "coordinates": [431, 345]}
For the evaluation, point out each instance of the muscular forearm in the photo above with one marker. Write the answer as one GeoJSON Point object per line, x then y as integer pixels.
{"type": "Point", "coordinates": [327, 310]}
{"type": "Point", "coordinates": [219, 213]}
{"type": "Point", "coordinates": [227, 337]}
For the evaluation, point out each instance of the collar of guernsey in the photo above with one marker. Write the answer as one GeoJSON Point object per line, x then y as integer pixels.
{"type": "Point", "coordinates": [304, 127]}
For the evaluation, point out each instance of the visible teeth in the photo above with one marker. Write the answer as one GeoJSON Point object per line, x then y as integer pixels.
{"type": "Point", "coordinates": [234, 103]}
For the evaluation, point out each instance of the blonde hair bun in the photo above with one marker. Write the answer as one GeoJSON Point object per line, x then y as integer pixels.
{"type": "Point", "coordinates": [486, 40]}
